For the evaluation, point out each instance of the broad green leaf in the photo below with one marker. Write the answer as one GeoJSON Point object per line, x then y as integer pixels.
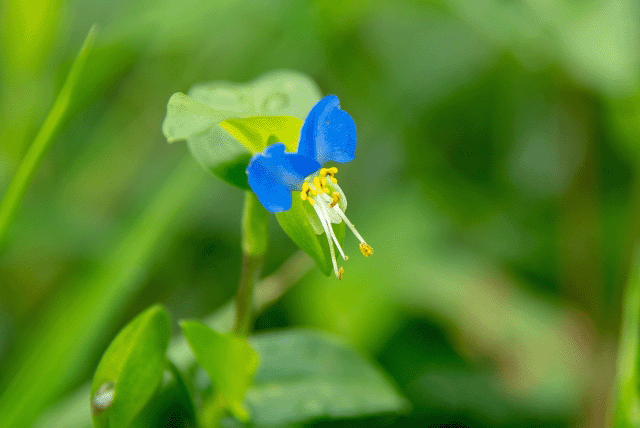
{"type": "Point", "coordinates": [196, 117]}
{"type": "Point", "coordinates": [228, 360]}
{"type": "Point", "coordinates": [306, 375]}
{"type": "Point", "coordinates": [131, 369]}
{"type": "Point", "coordinates": [295, 223]}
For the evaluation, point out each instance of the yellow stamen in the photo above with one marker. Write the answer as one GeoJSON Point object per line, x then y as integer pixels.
{"type": "Point", "coordinates": [304, 193]}
{"type": "Point", "coordinates": [324, 172]}
{"type": "Point", "coordinates": [366, 249]}
{"type": "Point", "coordinates": [340, 272]}
{"type": "Point", "coordinates": [335, 199]}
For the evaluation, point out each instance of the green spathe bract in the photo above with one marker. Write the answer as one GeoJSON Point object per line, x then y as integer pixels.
{"type": "Point", "coordinates": [273, 101]}
{"type": "Point", "coordinates": [295, 222]}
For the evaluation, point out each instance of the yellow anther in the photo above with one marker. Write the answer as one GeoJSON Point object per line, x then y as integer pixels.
{"type": "Point", "coordinates": [340, 272]}
{"type": "Point", "coordinates": [321, 184]}
{"type": "Point", "coordinates": [324, 172]}
{"type": "Point", "coordinates": [335, 198]}
{"type": "Point", "coordinates": [331, 172]}
{"type": "Point", "coordinates": [366, 249]}
{"type": "Point", "coordinates": [304, 193]}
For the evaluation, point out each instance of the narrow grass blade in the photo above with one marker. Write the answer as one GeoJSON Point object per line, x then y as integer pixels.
{"type": "Point", "coordinates": [29, 165]}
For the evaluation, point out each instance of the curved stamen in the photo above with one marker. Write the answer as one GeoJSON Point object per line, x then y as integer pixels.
{"type": "Point", "coordinates": [333, 236]}
{"type": "Point", "coordinates": [329, 232]}
{"type": "Point", "coordinates": [364, 247]}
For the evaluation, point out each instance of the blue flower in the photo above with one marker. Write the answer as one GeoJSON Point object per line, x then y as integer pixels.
{"type": "Point", "coordinates": [327, 135]}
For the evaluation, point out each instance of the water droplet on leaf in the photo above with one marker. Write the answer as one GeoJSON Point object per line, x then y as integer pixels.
{"type": "Point", "coordinates": [103, 398]}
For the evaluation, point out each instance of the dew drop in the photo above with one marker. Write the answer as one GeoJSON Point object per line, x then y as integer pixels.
{"type": "Point", "coordinates": [103, 398]}
{"type": "Point", "coordinates": [275, 102]}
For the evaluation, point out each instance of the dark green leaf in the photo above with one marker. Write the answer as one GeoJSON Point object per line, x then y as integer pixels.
{"type": "Point", "coordinates": [131, 369]}
{"type": "Point", "coordinates": [171, 405]}
{"type": "Point", "coordinates": [306, 375]}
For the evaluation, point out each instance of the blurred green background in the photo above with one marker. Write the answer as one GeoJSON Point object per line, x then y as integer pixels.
{"type": "Point", "coordinates": [497, 179]}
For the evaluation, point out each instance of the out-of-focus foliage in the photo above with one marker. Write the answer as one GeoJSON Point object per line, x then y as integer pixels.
{"type": "Point", "coordinates": [496, 179]}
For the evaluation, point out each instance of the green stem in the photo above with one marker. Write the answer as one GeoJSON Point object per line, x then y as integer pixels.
{"type": "Point", "coordinates": [254, 244]}
{"type": "Point", "coordinates": [627, 408]}
{"type": "Point", "coordinates": [42, 142]}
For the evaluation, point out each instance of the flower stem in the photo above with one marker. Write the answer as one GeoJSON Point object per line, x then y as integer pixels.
{"type": "Point", "coordinates": [254, 244]}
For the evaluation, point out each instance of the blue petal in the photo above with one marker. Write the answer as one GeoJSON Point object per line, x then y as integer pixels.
{"type": "Point", "coordinates": [274, 174]}
{"type": "Point", "coordinates": [328, 133]}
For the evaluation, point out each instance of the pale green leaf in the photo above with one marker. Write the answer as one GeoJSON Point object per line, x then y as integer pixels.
{"type": "Point", "coordinates": [228, 360]}
{"type": "Point", "coordinates": [187, 117]}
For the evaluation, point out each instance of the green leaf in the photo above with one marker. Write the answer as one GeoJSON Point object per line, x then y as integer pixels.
{"type": "Point", "coordinates": [131, 369]}
{"type": "Point", "coordinates": [306, 375]}
{"type": "Point", "coordinates": [212, 114]}
{"type": "Point", "coordinates": [295, 223]}
{"type": "Point", "coordinates": [228, 360]}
